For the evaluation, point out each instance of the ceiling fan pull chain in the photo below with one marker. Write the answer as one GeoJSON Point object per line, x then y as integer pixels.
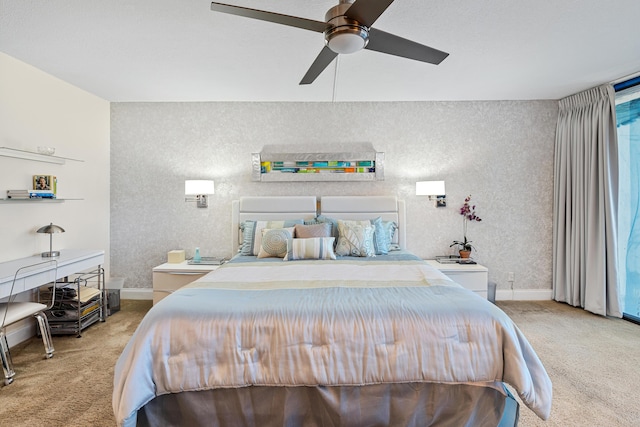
{"type": "Point", "coordinates": [335, 81]}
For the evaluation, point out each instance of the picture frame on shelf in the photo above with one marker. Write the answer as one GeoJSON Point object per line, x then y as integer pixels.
{"type": "Point", "coordinates": [45, 183]}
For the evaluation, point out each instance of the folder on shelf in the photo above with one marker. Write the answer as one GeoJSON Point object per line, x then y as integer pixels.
{"type": "Point", "coordinates": [87, 293]}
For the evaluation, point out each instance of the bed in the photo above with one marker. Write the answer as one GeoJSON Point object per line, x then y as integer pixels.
{"type": "Point", "coordinates": [362, 334]}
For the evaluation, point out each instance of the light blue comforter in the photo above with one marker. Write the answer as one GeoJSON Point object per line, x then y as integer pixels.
{"type": "Point", "coordinates": [348, 322]}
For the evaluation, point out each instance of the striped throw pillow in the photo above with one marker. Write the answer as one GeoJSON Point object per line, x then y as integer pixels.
{"type": "Point", "coordinates": [311, 248]}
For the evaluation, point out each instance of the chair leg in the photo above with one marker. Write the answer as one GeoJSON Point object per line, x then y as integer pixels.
{"type": "Point", "coordinates": [45, 331]}
{"type": "Point", "coordinates": [7, 363]}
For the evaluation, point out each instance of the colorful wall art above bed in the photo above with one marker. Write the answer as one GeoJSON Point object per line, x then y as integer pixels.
{"type": "Point", "coordinates": [361, 162]}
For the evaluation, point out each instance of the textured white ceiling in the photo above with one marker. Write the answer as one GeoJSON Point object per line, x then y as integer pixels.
{"type": "Point", "coordinates": [168, 50]}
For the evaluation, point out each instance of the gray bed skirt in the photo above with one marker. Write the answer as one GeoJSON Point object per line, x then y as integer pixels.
{"type": "Point", "coordinates": [410, 404]}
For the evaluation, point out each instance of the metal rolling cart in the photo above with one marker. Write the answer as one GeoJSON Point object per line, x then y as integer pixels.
{"type": "Point", "coordinates": [79, 304]}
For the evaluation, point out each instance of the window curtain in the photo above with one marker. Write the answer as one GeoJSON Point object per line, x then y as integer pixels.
{"type": "Point", "coordinates": [585, 268]}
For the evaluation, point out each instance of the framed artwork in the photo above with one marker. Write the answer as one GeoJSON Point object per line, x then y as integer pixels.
{"type": "Point", "coordinates": [45, 182]}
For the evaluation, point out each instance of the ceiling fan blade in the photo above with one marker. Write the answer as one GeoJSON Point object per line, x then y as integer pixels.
{"type": "Point", "coordinates": [322, 61]}
{"type": "Point", "coordinates": [367, 12]}
{"type": "Point", "coordinates": [381, 41]}
{"type": "Point", "coordinates": [292, 21]}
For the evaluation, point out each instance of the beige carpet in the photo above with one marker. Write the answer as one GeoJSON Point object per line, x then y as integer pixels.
{"type": "Point", "coordinates": [74, 387]}
{"type": "Point", "coordinates": [594, 363]}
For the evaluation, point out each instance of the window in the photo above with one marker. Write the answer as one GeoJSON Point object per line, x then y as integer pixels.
{"type": "Point", "coordinates": [628, 123]}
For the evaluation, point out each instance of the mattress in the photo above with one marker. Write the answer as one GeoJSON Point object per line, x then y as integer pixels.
{"type": "Point", "coordinates": [351, 322]}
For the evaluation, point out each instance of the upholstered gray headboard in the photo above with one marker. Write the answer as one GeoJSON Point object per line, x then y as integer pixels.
{"type": "Point", "coordinates": [389, 208]}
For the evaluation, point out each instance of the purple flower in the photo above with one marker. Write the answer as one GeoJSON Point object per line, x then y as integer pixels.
{"type": "Point", "coordinates": [468, 213]}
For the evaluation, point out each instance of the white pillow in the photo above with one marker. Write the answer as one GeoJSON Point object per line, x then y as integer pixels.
{"type": "Point", "coordinates": [355, 238]}
{"type": "Point", "coordinates": [311, 248]}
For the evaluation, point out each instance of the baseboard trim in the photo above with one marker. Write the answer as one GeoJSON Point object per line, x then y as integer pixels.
{"type": "Point", "coordinates": [22, 333]}
{"type": "Point", "coordinates": [524, 295]}
{"type": "Point", "coordinates": [136, 293]}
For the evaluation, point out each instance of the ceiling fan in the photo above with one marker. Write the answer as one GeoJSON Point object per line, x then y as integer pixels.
{"type": "Point", "coordinates": [347, 30]}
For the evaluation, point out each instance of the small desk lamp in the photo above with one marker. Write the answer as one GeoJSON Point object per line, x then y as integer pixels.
{"type": "Point", "coordinates": [50, 229]}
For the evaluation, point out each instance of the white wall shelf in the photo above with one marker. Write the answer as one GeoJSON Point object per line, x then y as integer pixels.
{"type": "Point", "coordinates": [15, 201]}
{"type": "Point", "coordinates": [37, 157]}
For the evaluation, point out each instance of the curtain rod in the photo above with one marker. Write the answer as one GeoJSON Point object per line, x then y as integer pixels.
{"type": "Point", "coordinates": [625, 78]}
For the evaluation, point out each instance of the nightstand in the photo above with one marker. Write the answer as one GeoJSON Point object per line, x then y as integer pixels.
{"type": "Point", "coordinates": [474, 277]}
{"type": "Point", "coordinates": [169, 277]}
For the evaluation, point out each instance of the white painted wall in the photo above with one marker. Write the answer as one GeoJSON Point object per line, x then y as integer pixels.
{"type": "Point", "coordinates": [38, 109]}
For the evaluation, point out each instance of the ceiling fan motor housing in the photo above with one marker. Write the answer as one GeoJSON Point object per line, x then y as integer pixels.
{"type": "Point", "coordinates": [344, 35]}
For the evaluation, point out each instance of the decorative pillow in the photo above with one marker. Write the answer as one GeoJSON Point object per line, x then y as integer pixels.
{"type": "Point", "coordinates": [316, 230]}
{"type": "Point", "coordinates": [384, 231]}
{"type": "Point", "coordinates": [312, 248]}
{"type": "Point", "coordinates": [356, 238]}
{"type": "Point", "coordinates": [390, 228]}
{"type": "Point", "coordinates": [252, 233]}
{"type": "Point", "coordinates": [333, 222]}
{"type": "Point", "coordinates": [274, 242]}
{"type": "Point", "coordinates": [380, 245]}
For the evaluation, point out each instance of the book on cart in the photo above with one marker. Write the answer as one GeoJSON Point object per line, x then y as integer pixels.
{"type": "Point", "coordinates": [87, 293]}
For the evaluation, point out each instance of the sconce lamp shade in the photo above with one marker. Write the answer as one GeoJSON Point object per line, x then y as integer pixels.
{"type": "Point", "coordinates": [199, 188]}
{"type": "Point", "coordinates": [50, 229]}
{"type": "Point", "coordinates": [430, 188]}
{"type": "Point", "coordinates": [194, 187]}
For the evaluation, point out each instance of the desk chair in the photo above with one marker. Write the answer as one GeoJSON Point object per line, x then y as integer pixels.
{"type": "Point", "coordinates": [12, 312]}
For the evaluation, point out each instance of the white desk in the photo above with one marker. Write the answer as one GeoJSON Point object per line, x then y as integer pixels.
{"type": "Point", "coordinates": [70, 261]}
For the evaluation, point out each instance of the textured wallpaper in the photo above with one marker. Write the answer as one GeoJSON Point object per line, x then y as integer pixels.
{"type": "Point", "coordinates": [499, 152]}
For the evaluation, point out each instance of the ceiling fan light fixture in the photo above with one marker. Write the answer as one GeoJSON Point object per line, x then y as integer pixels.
{"type": "Point", "coordinates": [347, 38]}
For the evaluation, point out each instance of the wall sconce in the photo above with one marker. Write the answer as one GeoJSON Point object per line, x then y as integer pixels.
{"type": "Point", "coordinates": [197, 191]}
{"type": "Point", "coordinates": [433, 189]}
{"type": "Point", "coordinates": [50, 229]}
